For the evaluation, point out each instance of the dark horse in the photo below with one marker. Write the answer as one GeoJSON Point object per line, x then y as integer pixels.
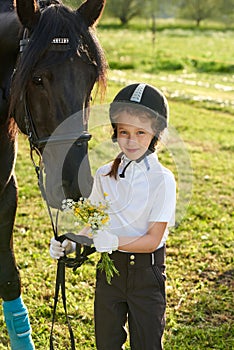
{"type": "Point", "coordinates": [50, 60]}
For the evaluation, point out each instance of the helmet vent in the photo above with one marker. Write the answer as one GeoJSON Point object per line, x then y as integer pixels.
{"type": "Point", "coordinates": [138, 92]}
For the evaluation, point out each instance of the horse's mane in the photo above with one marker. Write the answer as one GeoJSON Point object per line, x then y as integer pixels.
{"type": "Point", "coordinates": [58, 21]}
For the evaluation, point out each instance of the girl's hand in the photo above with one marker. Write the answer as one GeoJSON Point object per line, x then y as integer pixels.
{"type": "Point", "coordinates": [58, 249]}
{"type": "Point", "coordinates": [105, 241]}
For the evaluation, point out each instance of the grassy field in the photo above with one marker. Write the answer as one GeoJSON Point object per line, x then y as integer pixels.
{"type": "Point", "coordinates": [195, 71]}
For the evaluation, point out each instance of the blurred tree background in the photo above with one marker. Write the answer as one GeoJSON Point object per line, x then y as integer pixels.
{"type": "Point", "coordinates": [195, 10]}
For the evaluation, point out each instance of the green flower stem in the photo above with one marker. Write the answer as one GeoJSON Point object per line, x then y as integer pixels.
{"type": "Point", "coordinates": [107, 265]}
{"type": "Point", "coordinates": [83, 218]}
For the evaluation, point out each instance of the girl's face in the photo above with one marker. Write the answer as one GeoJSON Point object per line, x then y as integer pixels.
{"type": "Point", "coordinates": [134, 134]}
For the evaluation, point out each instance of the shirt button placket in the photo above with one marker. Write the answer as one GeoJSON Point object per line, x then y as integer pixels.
{"type": "Point", "coordinates": [131, 272]}
{"type": "Point", "coordinates": [132, 260]}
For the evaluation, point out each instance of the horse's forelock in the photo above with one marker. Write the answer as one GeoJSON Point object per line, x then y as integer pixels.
{"type": "Point", "coordinates": [60, 21]}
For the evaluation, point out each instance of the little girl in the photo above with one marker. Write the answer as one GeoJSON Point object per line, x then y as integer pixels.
{"type": "Point", "coordinates": [142, 197]}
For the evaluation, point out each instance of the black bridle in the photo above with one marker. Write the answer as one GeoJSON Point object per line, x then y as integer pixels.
{"type": "Point", "coordinates": [37, 144]}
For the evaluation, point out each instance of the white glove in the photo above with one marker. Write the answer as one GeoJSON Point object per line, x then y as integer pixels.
{"type": "Point", "coordinates": [58, 249]}
{"type": "Point", "coordinates": [105, 241]}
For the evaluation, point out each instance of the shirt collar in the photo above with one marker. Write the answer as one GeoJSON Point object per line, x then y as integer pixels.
{"type": "Point", "coordinates": [144, 161]}
{"type": "Point", "coordinates": [148, 155]}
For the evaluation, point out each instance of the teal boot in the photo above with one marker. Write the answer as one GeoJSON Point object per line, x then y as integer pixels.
{"type": "Point", "coordinates": [18, 326]}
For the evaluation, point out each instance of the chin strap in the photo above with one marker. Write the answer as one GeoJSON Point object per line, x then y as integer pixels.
{"type": "Point", "coordinates": [122, 175]}
{"type": "Point", "coordinates": [148, 152]}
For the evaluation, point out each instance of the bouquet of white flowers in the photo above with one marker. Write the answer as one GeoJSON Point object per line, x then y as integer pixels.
{"type": "Point", "coordinates": [95, 217]}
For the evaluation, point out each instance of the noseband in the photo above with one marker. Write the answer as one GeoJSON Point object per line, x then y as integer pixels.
{"type": "Point", "coordinates": [39, 143]}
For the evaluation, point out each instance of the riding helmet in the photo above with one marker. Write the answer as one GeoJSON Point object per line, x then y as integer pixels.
{"type": "Point", "coordinates": [145, 97]}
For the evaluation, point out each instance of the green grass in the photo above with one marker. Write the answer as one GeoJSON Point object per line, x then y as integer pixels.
{"type": "Point", "coordinates": [200, 248]}
{"type": "Point", "coordinates": [174, 49]}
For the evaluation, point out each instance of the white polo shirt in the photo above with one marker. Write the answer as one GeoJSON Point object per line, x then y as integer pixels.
{"type": "Point", "coordinates": [146, 193]}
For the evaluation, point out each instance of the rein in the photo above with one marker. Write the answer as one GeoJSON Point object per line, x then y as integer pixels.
{"type": "Point", "coordinates": [83, 250]}
{"type": "Point", "coordinates": [83, 244]}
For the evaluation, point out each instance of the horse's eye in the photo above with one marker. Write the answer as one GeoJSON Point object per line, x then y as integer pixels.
{"type": "Point", "coordinates": [37, 80]}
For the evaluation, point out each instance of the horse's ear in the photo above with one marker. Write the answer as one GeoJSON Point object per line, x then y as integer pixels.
{"type": "Point", "coordinates": [28, 12]}
{"type": "Point", "coordinates": [91, 11]}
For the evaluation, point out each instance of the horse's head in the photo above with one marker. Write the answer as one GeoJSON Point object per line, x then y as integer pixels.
{"type": "Point", "coordinates": [60, 60]}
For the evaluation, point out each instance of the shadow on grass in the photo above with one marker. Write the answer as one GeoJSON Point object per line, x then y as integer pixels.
{"type": "Point", "coordinates": [226, 279]}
